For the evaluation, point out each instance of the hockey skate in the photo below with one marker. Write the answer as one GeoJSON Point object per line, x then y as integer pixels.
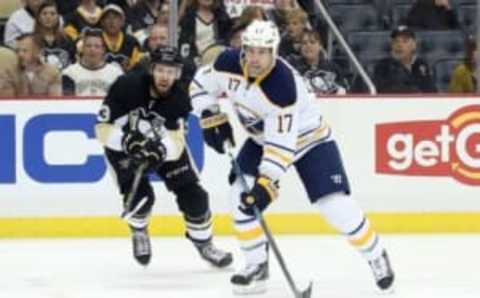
{"type": "Point", "coordinates": [251, 280]}
{"type": "Point", "coordinates": [142, 248]}
{"type": "Point", "coordinates": [214, 256]}
{"type": "Point", "coordinates": [383, 273]}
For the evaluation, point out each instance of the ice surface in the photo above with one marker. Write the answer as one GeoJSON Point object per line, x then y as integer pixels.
{"type": "Point", "coordinates": [439, 266]}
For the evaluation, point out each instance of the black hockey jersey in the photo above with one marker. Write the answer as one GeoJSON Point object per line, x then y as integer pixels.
{"type": "Point", "coordinates": [80, 20]}
{"type": "Point", "coordinates": [132, 91]}
{"type": "Point", "coordinates": [125, 52]}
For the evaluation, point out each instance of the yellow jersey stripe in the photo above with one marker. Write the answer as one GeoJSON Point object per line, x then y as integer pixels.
{"type": "Point", "coordinates": [277, 155]}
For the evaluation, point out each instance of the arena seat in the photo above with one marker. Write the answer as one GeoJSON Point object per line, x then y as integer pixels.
{"type": "Point", "coordinates": [436, 45]}
{"type": "Point", "coordinates": [355, 17]}
{"type": "Point", "coordinates": [370, 45]}
{"type": "Point", "coordinates": [467, 17]}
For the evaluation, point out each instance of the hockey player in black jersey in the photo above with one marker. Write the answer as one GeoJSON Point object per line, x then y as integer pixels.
{"type": "Point", "coordinates": [142, 123]}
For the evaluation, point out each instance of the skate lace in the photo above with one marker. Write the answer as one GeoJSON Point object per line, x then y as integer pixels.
{"type": "Point", "coordinates": [379, 267]}
{"type": "Point", "coordinates": [142, 245]}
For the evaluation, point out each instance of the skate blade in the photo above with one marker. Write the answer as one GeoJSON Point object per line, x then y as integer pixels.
{"type": "Point", "coordinates": [388, 291]}
{"type": "Point", "coordinates": [257, 287]}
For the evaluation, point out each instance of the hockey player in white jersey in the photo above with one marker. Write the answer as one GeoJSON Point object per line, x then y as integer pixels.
{"type": "Point", "coordinates": [285, 129]}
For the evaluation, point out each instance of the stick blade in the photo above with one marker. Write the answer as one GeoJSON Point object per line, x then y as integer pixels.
{"type": "Point", "coordinates": [307, 293]}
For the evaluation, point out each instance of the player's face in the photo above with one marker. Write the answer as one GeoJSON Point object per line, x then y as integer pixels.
{"type": "Point", "coordinates": [258, 60]}
{"type": "Point", "coordinates": [164, 76]}
{"type": "Point", "coordinates": [49, 17]}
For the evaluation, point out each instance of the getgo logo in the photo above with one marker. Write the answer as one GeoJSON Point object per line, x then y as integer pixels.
{"type": "Point", "coordinates": [448, 147]}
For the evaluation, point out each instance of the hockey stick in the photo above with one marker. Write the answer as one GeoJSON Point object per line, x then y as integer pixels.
{"type": "Point", "coordinates": [307, 293]}
{"type": "Point", "coordinates": [127, 213]}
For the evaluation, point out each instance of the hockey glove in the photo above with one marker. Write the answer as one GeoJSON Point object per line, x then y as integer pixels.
{"type": "Point", "coordinates": [216, 130]}
{"type": "Point", "coordinates": [144, 150]}
{"type": "Point", "coordinates": [261, 195]}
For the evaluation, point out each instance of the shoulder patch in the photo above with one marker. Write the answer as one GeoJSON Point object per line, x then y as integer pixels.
{"type": "Point", "coordinates": [229, 61]}
{"type": "Point", "coordinates": [279, 86]}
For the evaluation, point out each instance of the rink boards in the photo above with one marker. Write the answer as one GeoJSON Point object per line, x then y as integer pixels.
{"type": "Point", "coordinates": [414, 165]}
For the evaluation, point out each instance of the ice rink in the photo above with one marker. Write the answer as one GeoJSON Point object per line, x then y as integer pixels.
{"type": "Point", "coordinates": [437, 266]}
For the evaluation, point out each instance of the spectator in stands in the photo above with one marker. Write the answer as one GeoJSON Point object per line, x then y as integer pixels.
{"type": "Point", "coordinates": [21, 22]}
{"type": "Point", "coordinates": [432, 15]}
{"type": "Point", "coordinates": [164, 13]}
{"type": "Point", "coordinates": [87, 15]}
{"type": "Point", "coordinates": [297, 23]}
{"type": "Point", "coordinates": [236, 35]}
{"type": "Point", "coordinates": [235, 8]}
{"type": "Point", "coordinates": [249, 14]}
{"type": "Point", "coordinates": [159, 37]}
{"type": "Point", "coordinates": [67, 7]}
{"type": "Point", "coordinates": [143, 14]}
{"type": "Point", "coordinates": [205, 23]}
{"type": "Point", "coordinates": [36, 77]}
{"type": "Point", "coordinates": [322, 75]}
{"type": "Point", "coordinates": [58, 49]}
{"type": "Point", "coordinates": [403, 72]}
{"type": "Point", "coordinates": [464, 79]}
{"type": "Point", "coordinates": [122, 47]}
{"type": "Point", "coordinates": [91, 75]}
{"type": "Point", "coordinates": [9, 80]}
{"type": "Point", "coordinates": [124, 4]}
{"type": "Point", "coordinates": [279, 13]}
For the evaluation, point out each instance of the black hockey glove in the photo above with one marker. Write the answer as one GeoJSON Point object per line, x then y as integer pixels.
{"type": "Point", "coordinates": [261, 195]}
{"type": "Point", "coordinates": [144, 150]}
{"type": "Point", "coordinates": [216, 130]}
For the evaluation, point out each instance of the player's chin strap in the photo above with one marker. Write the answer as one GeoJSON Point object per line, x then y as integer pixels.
{"type": "Point", "coordinates": [307, 293]}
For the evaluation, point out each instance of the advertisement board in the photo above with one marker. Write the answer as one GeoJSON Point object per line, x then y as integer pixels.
{"type": "Point", "coordinates": [413, 163]}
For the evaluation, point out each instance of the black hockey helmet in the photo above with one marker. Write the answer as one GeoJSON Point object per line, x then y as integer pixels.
{"type": "Point", "coordinates": [166, 55]}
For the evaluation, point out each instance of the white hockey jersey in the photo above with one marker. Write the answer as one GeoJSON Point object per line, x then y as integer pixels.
{"type": "Point", "coordinates": [277, 110]}
{"type": "Point", "coordinates": [79, 80]}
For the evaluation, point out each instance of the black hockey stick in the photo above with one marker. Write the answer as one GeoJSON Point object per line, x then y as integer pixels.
{"type": "Point", "coordinates": [307, 293]}
{"type": "Point", "coordinates": [127, 212]}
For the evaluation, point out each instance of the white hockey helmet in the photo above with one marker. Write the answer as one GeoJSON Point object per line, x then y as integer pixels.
{"type": "Point", "coordinates": [262, 34]}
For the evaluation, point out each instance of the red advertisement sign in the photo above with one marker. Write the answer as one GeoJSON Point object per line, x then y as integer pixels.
{"type": "Point", "coordinates": [449, 147]}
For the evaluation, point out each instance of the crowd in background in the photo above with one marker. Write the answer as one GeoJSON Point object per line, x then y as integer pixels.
{"type": "Point", "coordinates": [79, 47]}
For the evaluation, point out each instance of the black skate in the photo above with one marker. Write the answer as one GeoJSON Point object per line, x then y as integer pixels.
{"type": "Point", "coordinates": [216, 257]}
{"type": "Point", "coordinates": [251, 280]}
{"type": "Point", "coordinates": [383, 273]}
{"type": "Point", "coordinates": [142, 248]}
